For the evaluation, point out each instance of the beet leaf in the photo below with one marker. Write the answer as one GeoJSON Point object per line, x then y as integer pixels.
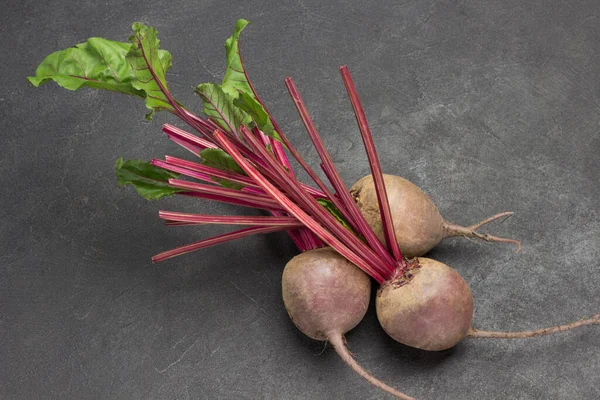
{"type": "Point", "coordinates": [219, 106]}
{"type": "Point", "coordinates": [150, 66]}
{"type": "Point", "coordinates": [98, 63]}
{"type": "Point", "coordinates": [235, 79]}
{"type": "Point", "coordinates": [149, 181]}
{"type": "Point", "coordinates": [248, 103]}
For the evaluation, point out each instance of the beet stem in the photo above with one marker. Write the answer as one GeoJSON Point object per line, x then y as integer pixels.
{"type": "Point", "coordinates": [202, 244]}
{"type": "Point", "coordinates": [235, 201]}
{"type": "Point", "coordinates": [200, 219]}
{"type": "Point", "coordinates": [338, 343]}
{"type": "Point", "coordinates": [178, 133]}
{"type": "Point", "coordinates": [221, 191]}
{"type": "Point", "coordinates": [353, 214]}
{"type": "Point", "coordinates": [534, 333]}
{"type": "Point", "coordinates": [293, 188]}
{"type": "Point", "coordinates": [201, 172]}
{"type": "Point", "coordinates": [305, 239]}
{"type": "Point", "coordinates": [362, 261]}
{"type": "Point", "coordinates": [206, 170]}
{"type": "Point", "coordinates": [384, 206]}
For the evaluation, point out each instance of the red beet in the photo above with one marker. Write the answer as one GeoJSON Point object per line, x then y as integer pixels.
{"type": "Point", "coordinates": [326, 296]}
{"type": "Point", "coordinates": [418, 225]}
{"type": "Point", "coordinates": [430, 308]}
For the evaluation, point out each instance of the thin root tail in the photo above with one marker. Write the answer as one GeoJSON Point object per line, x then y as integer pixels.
{"type": "Point", "coordinates": [338, 342]}
{"type": "Point", "coordinates": [471, 231]}
{"type": "Point", "coordinates": [534, 333]}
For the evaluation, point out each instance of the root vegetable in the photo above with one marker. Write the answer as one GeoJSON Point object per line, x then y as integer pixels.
{"type": "Point", "coordinates": [418, 224]}
{"type": "Point", "coordinates": [430, 307]}
{"type": "Point", "coordinates": [326, 296]}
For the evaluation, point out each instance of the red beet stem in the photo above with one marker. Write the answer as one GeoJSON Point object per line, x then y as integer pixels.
{"type": "Point", "coordinates": [296, 192]}
{"type": "Point", "coordinates": [250, 202]}
{"type": "Point", "coordinates": [221, 191]}
{"type": "Point", "coordinates": [172, 216]}
{"type": "Point", "coordinates": [353, 214]}
{"type": "Point", "coordinates": [361, 260]}
{"type": "Point", "coordinates": [384, 206]}
{"type": "Point", "coordinates": [171, 162]}
{"type": "Point", "coordinates": [242, 233]}
{"type": "Point", "coordinates": [192, 142]}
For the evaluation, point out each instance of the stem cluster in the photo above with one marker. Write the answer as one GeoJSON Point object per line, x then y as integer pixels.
{"type": "Point", "coordinates": [269, 183]}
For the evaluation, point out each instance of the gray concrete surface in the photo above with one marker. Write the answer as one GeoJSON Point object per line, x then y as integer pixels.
{"type": "Point", "coordinates": [487, 105]}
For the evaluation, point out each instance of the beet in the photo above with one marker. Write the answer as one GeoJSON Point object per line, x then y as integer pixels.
{"type": "Point", "coordinates": [418, 224]}
{"type": "Point", "coordinates": [326, 296]}
{"type": "Point", "coordinates": [430, 308]}
{"type": "Point", "coordinates": [324, 293]}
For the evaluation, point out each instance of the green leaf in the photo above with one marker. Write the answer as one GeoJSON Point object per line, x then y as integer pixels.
{"type": "Point", "coordinates": [252, 107]}
{"type": "Point", "coordinates": [333, 210]}
{"type": "Point", "coordinates": [235, 78]}
{"type": "Point", "coordinates": [227, 184]}
{"type": "Point", "coordinates": [150, 66]}
{"type": "Point", "coordinates": [149, 181]}
{"type": "Point", "coordinates": [219, 106]}
{"type": "Point", "coordinates": [98, 63]}
{"type": "Point", "coordinates": [137, 68]}
{"type": "Point", "coordinates": [236, 85]}
{"type": "Point", "coordinates": [217, 158]}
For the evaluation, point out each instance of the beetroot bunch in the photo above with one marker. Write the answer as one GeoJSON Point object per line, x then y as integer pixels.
{"type": "Point", "coordinates": [377, 231]}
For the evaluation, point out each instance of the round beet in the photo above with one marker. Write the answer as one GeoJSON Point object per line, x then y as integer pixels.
{"type": "Point", "coordinates": [326, 296]}
{"type": "Point", "coordinates": [430, 308]}
{"type": "Point", "coordinates": [418, 225]}
{"type": "Point", "coordinates": [323, 293]}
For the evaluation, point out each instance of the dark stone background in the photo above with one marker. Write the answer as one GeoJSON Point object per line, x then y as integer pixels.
{"type": "Point", "coordinates": [487, 105]}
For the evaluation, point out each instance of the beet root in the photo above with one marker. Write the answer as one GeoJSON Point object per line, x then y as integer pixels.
{"type": "Point", "coordinates": [431, 308]}
{"type": "Point", "coordinates": [418, 225]}
{"type": "Point", "coordinates": [326, 296]}
{"type": "Point", "coordinates": [324, 292]}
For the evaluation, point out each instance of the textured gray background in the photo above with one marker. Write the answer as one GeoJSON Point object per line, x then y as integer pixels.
{"type": "Point", "coordinates": [487, 105]}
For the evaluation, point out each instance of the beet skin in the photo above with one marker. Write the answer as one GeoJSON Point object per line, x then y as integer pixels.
{"type": "Point", "coordinates": [431, 311]}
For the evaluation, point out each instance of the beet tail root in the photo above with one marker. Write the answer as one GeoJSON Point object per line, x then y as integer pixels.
{"type": "Point", "coordinates": [338, 343]}
{"type": "Point", "coordinates": [595, 320]}
{"type": "Point", "coordinates": [471, 231]}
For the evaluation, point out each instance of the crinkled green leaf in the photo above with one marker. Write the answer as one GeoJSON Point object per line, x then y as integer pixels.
{"type": "Point", "coordinates": [219, 106]}
{"type": "Point", "coordinates": [252, 107]}
{"type": "Point", "coordinates": [236, 85]}
{"type": "Point", "coordinates": [333, 210]}
{"type": "Point", "coordinates": [98, 63]}
{"type": "Point", "coordinates": [150, 182]}
{"type": "Point", "coordinates": [150, 65]}
{"type": "Point", "coordinates": [137, 68]}
{"type": "Point", "coordinates": [235, 78]}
